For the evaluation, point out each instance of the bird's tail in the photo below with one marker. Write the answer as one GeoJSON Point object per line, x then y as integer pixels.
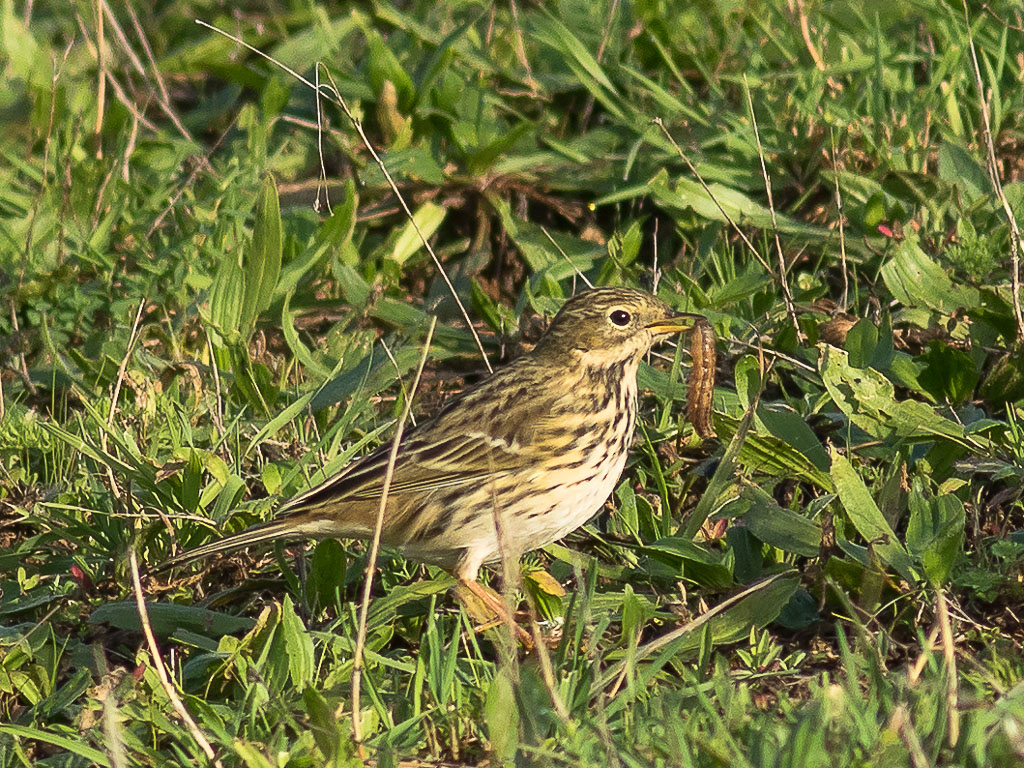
{"type": "Point", "coordinates": [288, 527]}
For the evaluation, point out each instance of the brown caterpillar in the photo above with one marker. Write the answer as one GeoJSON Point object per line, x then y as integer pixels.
{"type": "Point", "coordinates": [701, 385]}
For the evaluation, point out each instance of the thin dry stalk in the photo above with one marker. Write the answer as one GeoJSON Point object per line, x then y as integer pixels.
{"type": "Point", "coordinates": [119, 92]}
{"type": "Point", "coordinates": [334, 95]}
{"type": "Point", "coordinates": [797, 363]}
{"type": "Point", "coordinates": [904, 726]}
{"type": "Point", "coordinates": [163, 98]}
{"type": "Point", "coordinates": [645, 651]}
{"type": "Point", "coordinates": [509, 580]}
{"type": "Point", "coordinates": [164, 94]}
{"type": "Point", "coordinates": [926, 651]}
{"type": "Point", "coordinates": [949, 652]}
{"type": "Point", "coordinates": [520, 48]}
{"type": "Point", "coordinates": [655, 274]}
{"type": "Point", "coordinates": [371, 563]}
{"type": "Point", "coordinates": [787, 295]}
{"type": "Point", "coordinates": [129, 150]}
{"type": "Point", "coordinates": [690, 166]}
{"type": "Point", "coordinates": [845, 301]}
{"type": "Point", "coordinates": [321, 182]}
{"type": "Point", "coordinates": [101, 75]}
{"type": "Point", "coordinates": [547, 671]}
{"type": "Point", "coordinates": [218, 412]}
{"type": "Point", "coordinates": [161, 671]}
{"type": "Point", "coordinates": [997, 185]}
{"type": "Point", "coordinates": [116, 393]}
{"type": "Point", "coordinates": [398, 375]}
{"type": "Point", "coordinates": [113, 734]}
{"type": "Point", "coordinates": [565, 256]}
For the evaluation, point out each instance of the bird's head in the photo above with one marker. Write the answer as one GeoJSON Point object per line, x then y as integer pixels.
{"type": "Point", "coordinates": [609, 326]}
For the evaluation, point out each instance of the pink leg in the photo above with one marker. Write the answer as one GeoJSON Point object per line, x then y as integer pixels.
{"type": "Point", "coordinates": [495, 604]}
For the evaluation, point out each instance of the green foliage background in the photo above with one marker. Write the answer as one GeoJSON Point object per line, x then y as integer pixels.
{"type": "Point", "coordinates": [194, 325]}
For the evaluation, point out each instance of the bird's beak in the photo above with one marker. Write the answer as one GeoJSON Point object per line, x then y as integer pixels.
{"type": "Point", "coordinates": [677, 322]}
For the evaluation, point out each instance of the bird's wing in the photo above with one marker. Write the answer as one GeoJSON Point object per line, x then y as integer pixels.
{"type": "Point", "coordinates": [475, 437]}
{"type": "Point", "coordinates": [421, 466]}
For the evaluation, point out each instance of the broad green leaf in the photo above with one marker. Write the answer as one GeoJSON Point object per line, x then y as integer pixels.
{"type": "Point", "coordinates": [917, 281]}
{"type": "Point", "coordinates": [697, 562]}
{"type": "Point", "coordinates": [21, 52]}
{"type": "Point", "coordinates": [861, 341]}
{"type": "Point", "coordinates": [251, 754]}
{"type": "Point", "coordinates": [792, 430]}
{"type": "Point", "coordinates": [69, 745]}
{"type": "Point", "coordinates": [564, 258]}
{"type": "Point", "coordinates": [959, 167]}
{"type": "Point", "coordinates": [383, 66]}
{"type": "Point", "coordinates": [415, 163]}
{"type": "Point", "coordinates": [333, 235]}
{"type": "Point", "coordinates": [869, 400]}
{"type": "Point", "coordinates": [323, 724]}
{"type": "Point", "coordinates": [502, 718]}
{"type": "Point", "coordinates": [1005, 380]}
{"type": "Point", "coordinates": [383, 609]}
{"type": "Point", "coordinates": [191, 480]}
{"type": "Point", "coordinates": [273, 426]}
{"type": "Point", "coordinates": [167, 618]}
{"type": "Point", "coordinates": [298, 645]}
{"type": "Point", "coordinates": [226, 299]}
{"type": "Point", "coordinates": [228, 498]}
{"type": "Point", "coordinates": [263, 258]}
{"type": "Point", "coordinates": [578, 59]}
{"type": "Point", "coordinates": [482, 160]}
{"type": "Point", "coordinates": [935, 531]}
{"type": "Point", "coordinates": [428, 217]}
{"type": "Point", "coordinates": [867, 518]}
{"type": "Point", "coordinates": [327, 572]}
{"type": "Point", "coordinates": [299, 349]}
{"type": "Point", "coordinates": [780, 527]}
{"type": "Point", "coordinates": [949, 374]}
{"type": "Point", "coordinates": [722, 203]}
{"type": "Point", "coordinates": [771, 455]}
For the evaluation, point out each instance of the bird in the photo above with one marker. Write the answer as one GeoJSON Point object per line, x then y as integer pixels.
{"type": "Point", "coordinates": [511, 464]}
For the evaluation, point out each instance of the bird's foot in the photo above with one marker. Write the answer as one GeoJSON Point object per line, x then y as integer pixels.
{"type": "Point", "coordinates": [488, 610]}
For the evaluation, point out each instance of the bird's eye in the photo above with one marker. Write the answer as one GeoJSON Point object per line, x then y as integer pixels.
{"type": "Point", "coordinates": [620, 317]}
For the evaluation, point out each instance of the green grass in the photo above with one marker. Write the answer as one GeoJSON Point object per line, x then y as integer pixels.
{"type": "Point", "coordinates": [870, 458]}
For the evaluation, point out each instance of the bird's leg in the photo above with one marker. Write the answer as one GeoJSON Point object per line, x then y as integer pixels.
{"type": "Point", "coordinates": [494, 603]}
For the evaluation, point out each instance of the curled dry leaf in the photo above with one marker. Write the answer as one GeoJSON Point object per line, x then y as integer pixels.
{"type": "Point", "coordinates": [702, 378]}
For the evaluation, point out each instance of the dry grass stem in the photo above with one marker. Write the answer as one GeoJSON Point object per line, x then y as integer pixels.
{"type": "Point", "coordinates": [787, 295]}
{"type": "Point", "coordinates": [997, 185]}
{"type": "Point", "coordinates": [371, 563]}
{"type": "Point", "coordinates": [711, 195]}
{"type": "Point", "coordinates": [116, 393]}
{"type": "Point", "coordinates": [101, 77]}
{"type": "Point", "coordinates": [844, 301]}
{"type": "Point", "coordinates": [161, 671]}
{"type": "Point", "coordinates": [949, 653]}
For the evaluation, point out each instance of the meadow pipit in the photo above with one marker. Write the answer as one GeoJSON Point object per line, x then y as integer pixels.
{"type": "Point", "coordinates": [542, 442]}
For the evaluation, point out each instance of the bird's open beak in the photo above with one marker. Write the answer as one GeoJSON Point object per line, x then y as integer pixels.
{"type": "Point", "coordinates": [677, 322]}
